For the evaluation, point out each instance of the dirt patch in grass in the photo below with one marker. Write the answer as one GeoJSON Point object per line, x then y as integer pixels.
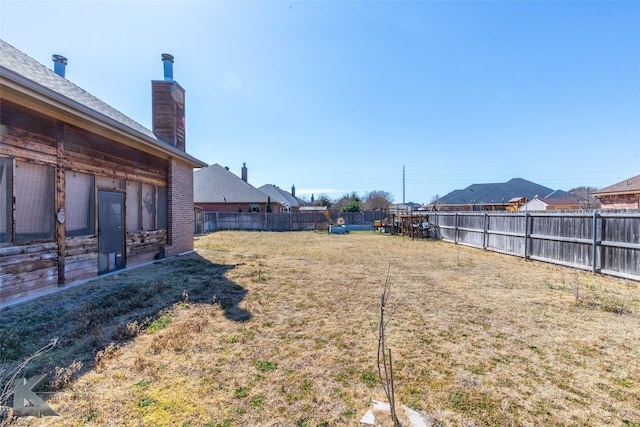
{"type": "Point", "coordinates": [278, 329]}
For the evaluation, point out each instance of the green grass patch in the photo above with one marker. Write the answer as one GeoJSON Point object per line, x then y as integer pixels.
{"type": "Point", "coordinates": [265, 365]}
{"type": "Point", "coordinates": [144, 402]}
{"type": "Point", "coordinates": [160, 323]}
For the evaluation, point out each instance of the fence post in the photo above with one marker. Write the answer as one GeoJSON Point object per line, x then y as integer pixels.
{"type": "Point", "coordinates": [595, 242]}
{"type": "Point", "coordinates": [485, 234]}
{"type": "Point", "coordinates": [455, 229]}
{"type": "Point", "coordinates": [526, 235]}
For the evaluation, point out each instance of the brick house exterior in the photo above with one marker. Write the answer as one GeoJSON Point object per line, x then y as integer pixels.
{"type": "Point", "coordinates": [621, 195]}
{"type": "Point", "coordinates": [180, 215]}
{"type": "Point", "coordinates": [216, 189]}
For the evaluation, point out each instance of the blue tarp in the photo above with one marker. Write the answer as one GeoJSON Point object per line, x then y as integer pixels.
{"type": "Point", "coordinates": [350, 227]}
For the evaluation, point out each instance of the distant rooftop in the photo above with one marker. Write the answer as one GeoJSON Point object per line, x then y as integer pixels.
{"type": "Point", "coordinates": [628, 185]}
{"type": "Point", "coordinates": [497, 193]}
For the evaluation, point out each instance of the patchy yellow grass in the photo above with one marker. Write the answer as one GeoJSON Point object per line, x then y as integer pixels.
{"type": "Point", "coordinates": [477, 338]}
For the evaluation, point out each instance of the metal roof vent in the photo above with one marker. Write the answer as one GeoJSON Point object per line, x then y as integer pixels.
{"type": "Point", "coordinates": [167, 59]}
{"type": "Point", "coordinates": [59, 64]}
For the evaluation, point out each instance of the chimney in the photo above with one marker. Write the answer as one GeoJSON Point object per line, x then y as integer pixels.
{"type": "Point", "coordinates": [168, 107]}
{"type": "Point", "coordinates": [244, 172]}
{"type": "Point", "coordinates": [59, 64]}
{"type": "Point", "coordinates": [293, 190]}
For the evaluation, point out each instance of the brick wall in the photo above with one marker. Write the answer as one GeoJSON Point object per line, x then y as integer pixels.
{"type": "Point", "coordinates": [233, 207]}
{"type": "Point", "coordinates": [180, 215]}
{"type": "Point", "coordinates": [622, 201]}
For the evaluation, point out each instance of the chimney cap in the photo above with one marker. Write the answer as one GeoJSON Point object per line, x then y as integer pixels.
{"type": "Point", "coordinates": [59, 58]}
{"type": "Point", "coordinates": [167, 57]}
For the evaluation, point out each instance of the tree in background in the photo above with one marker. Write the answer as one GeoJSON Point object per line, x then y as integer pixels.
{"type": "Point", "coordinates": [323, 200]}
{"type": "Point", "coordinates": [351, 206]}
{"type": "Point", "coordinates": [377, 200]}
{"type": "Point", "coordinates": [269, 208]}
{"type": "Point", "coordinates": [347, 203]}
{"type": "Point", "coordinates": [583, 195]}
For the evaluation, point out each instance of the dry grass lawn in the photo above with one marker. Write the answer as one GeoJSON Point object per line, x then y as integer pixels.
{"type": "Point", "coordinates": [269, 329]}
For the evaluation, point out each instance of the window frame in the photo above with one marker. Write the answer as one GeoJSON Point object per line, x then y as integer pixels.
{"type": "Point", "coordinates": [38, 210]}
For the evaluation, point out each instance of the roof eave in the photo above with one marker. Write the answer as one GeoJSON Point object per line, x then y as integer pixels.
{"type": "Point", "coordinates": [23, 91]}
{"type": "Point", "coordinates": [615, 193]}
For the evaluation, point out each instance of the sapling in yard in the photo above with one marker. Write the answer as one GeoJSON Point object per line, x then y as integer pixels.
{"type": "Point", "coordinates": [385, 364]}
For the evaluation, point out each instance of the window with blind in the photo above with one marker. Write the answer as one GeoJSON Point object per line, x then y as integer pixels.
{"type": "Point", "coordinates": [6, 197]}
{"type": "Point", "coordinates": [146, 207]}
{"type": "Point", "coordinates": [133, 206]}
{"type": "Point", "coordinates": [34, 198]}
{"type": "Point", "coordinates": [80, 204]}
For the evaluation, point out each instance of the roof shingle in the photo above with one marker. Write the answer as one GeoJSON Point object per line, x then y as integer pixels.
{"type": "Point", "coordinates": [631, 185]}
{"type": "Point", "coordinates": [14, 60]}
{"type": "Point", "coordinates": [495, 193]}
{"type": "Point", "coordinates": [215, 184]}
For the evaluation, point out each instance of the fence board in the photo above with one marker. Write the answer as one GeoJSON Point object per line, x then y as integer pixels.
{"type": "Point", "coordinates": [601, 241]}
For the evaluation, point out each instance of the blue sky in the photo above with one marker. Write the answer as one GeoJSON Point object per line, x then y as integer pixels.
{"type": "Point", "coordinates": [339, 96]}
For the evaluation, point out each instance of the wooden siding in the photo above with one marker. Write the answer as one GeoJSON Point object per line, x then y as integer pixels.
{"type": "Point", "coordinates": [36, 267]}
{"type": "Point", "coordinates": [83, 154]}
{"type": "Point", "coordinates": [28, 269]}
{"type": "Point", "coordinates": [81, 258]}
{"type": "Point", "coordinates": [145, 246]}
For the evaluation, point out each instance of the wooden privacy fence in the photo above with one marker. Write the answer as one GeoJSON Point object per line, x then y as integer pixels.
{"type": "Point", "coordinates": [206, 222]}
{"type": "Point", "coordinates": [600, 241]}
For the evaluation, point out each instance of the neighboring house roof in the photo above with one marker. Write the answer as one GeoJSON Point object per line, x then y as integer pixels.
{"type": "Point", "coordinates": [313, 208]}
{"type": "Point", "coordinates": [559, 201]}
{"type": "Point", "coordinates": [22, 72]}
{"type": "Point", "coordinates": [279, 195]}
{"type": "Point", "coordinates": [631, 185]}
{"type": "Point", "coordinates": [402, 206]}
{"type": "Point", "coordinates": [216, 184]}
{"type": "Point", "coordinates": [559, 194]}
{"type": "Point", "coordinates": [494, 193]}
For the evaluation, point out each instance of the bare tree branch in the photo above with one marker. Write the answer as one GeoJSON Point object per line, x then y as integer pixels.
{"type": "Point", "coordinates": [8, 375]}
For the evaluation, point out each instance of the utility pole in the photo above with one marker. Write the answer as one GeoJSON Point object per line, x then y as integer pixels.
{"type": "Point", "coordinates": [403, 184]}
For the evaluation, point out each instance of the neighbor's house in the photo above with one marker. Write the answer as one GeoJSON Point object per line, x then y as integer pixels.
{"type": "Point", "coordinates": [622, 195]}
{"type": "Point", "coordinates": [288, 202]}
{"type": "Point", "coordinates": [216, 189]}
{"type": "Point", "coordinates": [551, 204]}
{"type": "Point", "coordinates": [403, 208]}
{"type": "Point", "coordinates": [85, 190]}
{"type": "Point", "coordinates": [493, 196]}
